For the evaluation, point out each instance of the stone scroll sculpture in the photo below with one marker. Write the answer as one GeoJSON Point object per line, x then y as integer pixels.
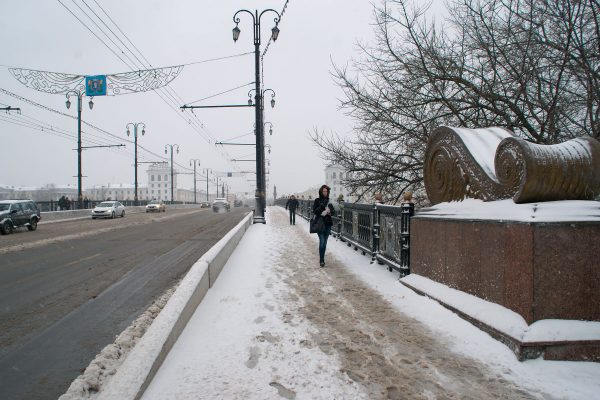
{"type": "Point", "coordinates": [494, 164]}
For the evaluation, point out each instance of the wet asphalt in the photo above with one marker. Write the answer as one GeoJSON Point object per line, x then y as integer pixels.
{"type": "Point", "coordinates": [67, 289]}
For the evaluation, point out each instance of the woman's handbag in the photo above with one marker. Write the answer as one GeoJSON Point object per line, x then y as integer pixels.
{"type": "Point", "coordinates": [317, 224]}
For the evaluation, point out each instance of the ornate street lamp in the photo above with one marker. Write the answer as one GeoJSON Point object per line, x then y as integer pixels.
{"type": "Point", "coordinates": [79, 94]}
{"type": "Point", "coordinates": [260, 195]}
{"type": "Point", "coordinates": [177, 148]}
{"type": "Point", "coordinates": [135, 140]}
{"type": "Point", "coordinates": [195, 161]}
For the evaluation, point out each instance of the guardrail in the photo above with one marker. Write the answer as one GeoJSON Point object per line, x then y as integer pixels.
{"type": "Point", "coordinates": [382, 231]}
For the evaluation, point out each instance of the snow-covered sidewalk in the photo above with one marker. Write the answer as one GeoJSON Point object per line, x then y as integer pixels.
{"type": "Point", "coordinates": [276, 325]}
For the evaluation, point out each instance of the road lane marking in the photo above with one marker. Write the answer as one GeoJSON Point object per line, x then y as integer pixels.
{"type": "Point", "coordinates": [83, 259]}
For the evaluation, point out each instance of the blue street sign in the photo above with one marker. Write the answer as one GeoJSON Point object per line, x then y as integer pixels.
{"type": "Point", "coordinates": [95, 85]}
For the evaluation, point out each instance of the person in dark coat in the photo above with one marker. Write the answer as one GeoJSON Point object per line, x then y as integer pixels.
{"type": "Point", "coordinates": [62, 203]}
{"type": "Point", "coordinates": [323, 207]}
{"type": "Point", "coordinates": [291, 205]}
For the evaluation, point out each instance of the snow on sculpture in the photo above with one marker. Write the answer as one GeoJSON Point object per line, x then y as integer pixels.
{"type": "Point", "coordinates": [565, 171]}
{"type": "Point", "coordinates": [494, 164]}
{"type": "Point", "coordinates": [459, 164]}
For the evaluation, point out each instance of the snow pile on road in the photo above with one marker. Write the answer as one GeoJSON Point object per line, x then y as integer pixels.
{"type": "Point", "coordinates": [105, 364]}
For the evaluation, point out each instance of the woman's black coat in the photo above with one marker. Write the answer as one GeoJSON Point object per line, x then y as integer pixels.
{"type": "Point", "coordinates": [319, 206]}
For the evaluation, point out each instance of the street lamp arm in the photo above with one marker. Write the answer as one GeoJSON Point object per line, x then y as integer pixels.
{"type": "Point", "coordinates": [269, 90]}
{"type": "Point", "coordinates": [236, 19]}
{"type": "Point", "coordinates": [276, 19]}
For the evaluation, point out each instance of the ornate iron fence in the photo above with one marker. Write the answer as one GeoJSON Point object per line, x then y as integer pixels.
{"type": "Point", "coordinates": [382, 231]}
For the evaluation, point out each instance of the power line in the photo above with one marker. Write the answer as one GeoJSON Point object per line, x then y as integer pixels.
{"type": "Point", "coordinates": [195, 122]}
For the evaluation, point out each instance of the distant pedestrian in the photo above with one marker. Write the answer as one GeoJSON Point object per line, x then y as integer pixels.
{"type": "Point", "coordinates": [62, 204]}
{"type": "Point", "coordinates": [291, 205]}
{"type": "Point", "coordinates": [323, 208]}
{"type": "Point", "coordinates": [86, 202]}
{"type": "Point", "coordinates": [67, 203]}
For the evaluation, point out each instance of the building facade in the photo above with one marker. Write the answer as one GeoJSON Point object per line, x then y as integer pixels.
{"type": "Point", "coordinates": [334, 178]}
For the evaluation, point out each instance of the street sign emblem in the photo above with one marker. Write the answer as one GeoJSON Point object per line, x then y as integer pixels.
{"type": "Point", "coordinates": [95, 85]}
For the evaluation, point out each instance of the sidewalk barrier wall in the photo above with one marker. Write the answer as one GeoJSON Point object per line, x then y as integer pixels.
{"type": "Point", "coordinates": [144, 360]}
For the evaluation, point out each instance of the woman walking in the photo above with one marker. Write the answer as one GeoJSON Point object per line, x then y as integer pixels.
{"type": "Point", "coordinates": [325, 209]}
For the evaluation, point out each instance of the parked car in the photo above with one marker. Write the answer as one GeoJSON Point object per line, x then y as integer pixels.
{"type": "Point", "coordinates": [156, 206]}
{"type": "Point", "coordinates": [17, 213]}
{"type": "Point", "coordinates": [220, 205]}
{"type": "Point", "coordinates": [108, 209]}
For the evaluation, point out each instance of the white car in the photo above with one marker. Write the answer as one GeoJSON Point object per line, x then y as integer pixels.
{"type": "Point", "coordinates": [220, 205]}
{"type": "Point", "coordinates": [108, 209]}
{"type": "Point", "coordinates": [155, 206]}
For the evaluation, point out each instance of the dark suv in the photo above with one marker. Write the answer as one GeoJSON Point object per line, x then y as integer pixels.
{"type": "Point", "coordinates": [16, 213]}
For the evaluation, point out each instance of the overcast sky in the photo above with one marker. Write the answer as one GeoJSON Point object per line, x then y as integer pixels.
{"type": "Point", "coordinates": [44, 35]}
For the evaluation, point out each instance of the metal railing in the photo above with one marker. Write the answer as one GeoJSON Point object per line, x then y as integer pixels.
{"type": "Point", "coordinates": [379, 230]}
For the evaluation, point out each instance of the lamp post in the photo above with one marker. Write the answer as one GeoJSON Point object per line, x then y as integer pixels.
{"type": "Point", "coordinates": [79, 94]}
{"type": "Point", "coordinates": [194, 160]}
{"type": "Point", "coordinates": [171, 146]}
{"type": "Point", "coordinates": [260, 195]}
{"type": "Point", "coordinates": [135, 138]}
{"type": "Point", "coordinates": [217, 176]}
{"type": "Point", "coordinates": [207, 171]}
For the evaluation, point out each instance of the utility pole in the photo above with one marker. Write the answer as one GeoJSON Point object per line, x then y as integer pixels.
{"type": "Point", "coordinates": [171, 146]}
{"type": "Point", "coordinates": [217, 185]}
{"type": "Point", "coordinates": [135, 140]}
{"type": "Point", "coordinates": [207, 171]}
{"type": "Point", "coordinates": [79, 94]}
{"type": "Point", "coordinates": [194, 160]}
{"type": "Point", "coordinates": [260, 195]}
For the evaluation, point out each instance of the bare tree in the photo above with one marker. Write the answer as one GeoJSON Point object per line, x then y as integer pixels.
{"type": "Point", "coordinates": [526, 65]}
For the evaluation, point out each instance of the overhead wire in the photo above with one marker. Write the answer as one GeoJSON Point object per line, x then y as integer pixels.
{"type": "Point", "coordinates": [160, 92]}
{"type": "Point", "coordinates": [199, 124]}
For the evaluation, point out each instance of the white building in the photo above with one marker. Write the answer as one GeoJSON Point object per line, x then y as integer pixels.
{"type": "Point", "coordinates": [334, 177]}
{"type": "Point", "coordinates": [159, 182]}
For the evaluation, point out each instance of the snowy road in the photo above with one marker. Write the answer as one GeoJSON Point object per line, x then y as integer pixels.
{"type": "Point", "coordinates": [275, 325]}
{"type": "Point", "coordinates": [78, 284]}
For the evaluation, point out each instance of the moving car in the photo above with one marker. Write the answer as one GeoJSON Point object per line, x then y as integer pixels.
{"type": "Point", "coordinates": [220, 205]}
{"type": "Point", "coordinates": [205, 204]}
{"type": "Point", "coordinates": [108, 209]}
{"type": "Point", "coordinates": [17, 213]}
{"type": "Point", "coordinates": [156, 206]}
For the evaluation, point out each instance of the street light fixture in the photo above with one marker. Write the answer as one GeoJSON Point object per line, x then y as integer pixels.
{"type": "Point", "coordinates": [79, 94]}
{"type": "Point", "coordinates": [177, 149]}
{"type": "Point", "coordinates": [260, 195]}
{"type": "Point", "coordinates": [270, 127]}
{"type": "Point", "coordinates": [135, 141]}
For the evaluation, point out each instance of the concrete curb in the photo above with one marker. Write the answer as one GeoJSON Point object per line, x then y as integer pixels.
{"type": "Point", "coordinates": [144, 360]}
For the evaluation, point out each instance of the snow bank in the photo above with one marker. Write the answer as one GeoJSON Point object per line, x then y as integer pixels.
{"type": "Point", "coordinates": [105, 364]}
{"type": "Point", "coordinates": [507, 210]}
{"type": "Point", "coordinates": [145, 359]}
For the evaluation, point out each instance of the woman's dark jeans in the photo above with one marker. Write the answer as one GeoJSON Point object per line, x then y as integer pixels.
{"type": "Point", "coordinates": [323, 236]}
